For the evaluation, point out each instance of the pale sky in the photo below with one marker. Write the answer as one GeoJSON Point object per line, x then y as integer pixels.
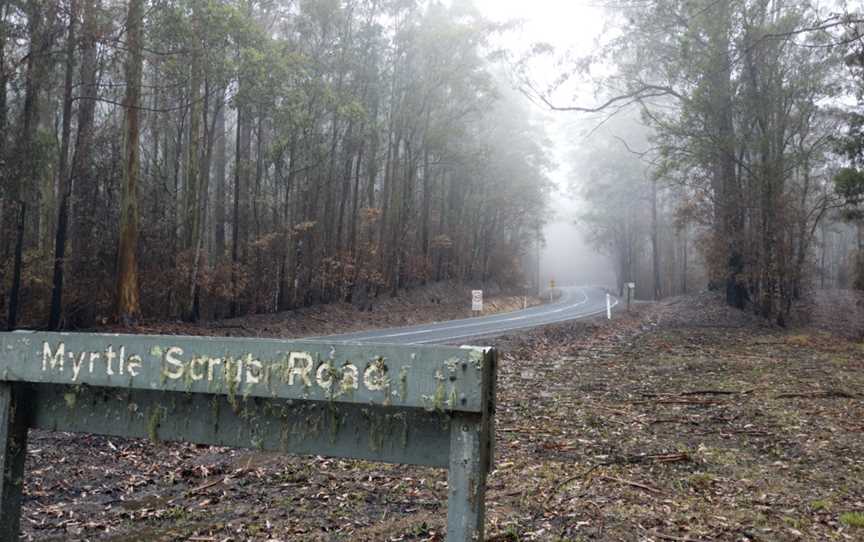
{"type": "Point", "coordinates": [563, 23]}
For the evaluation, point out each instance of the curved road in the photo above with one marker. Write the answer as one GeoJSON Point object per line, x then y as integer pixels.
{"type": "Point", "coordinates": [575, 303]}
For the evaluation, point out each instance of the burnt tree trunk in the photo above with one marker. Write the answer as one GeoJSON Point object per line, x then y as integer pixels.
{"type": "Point", "coordinates": [16, 272]}
{"type": "Point", "coordinates": [3, 99]}
{"type": "Point", "coordinates": [64, 184]}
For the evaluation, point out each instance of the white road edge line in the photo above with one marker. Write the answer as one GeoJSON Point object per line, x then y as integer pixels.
{"type": "Point", "coordinates": [504, 330]}
{"type": "Point", "coordinates": [475, 323]}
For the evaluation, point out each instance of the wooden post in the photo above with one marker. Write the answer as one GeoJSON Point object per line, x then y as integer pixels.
{"type": "Point", "coordinates": [472, 442]}
{"type": "Point", "coordinates": [466, 481]}
{"type": "Point", "coordinates": [13, 436]}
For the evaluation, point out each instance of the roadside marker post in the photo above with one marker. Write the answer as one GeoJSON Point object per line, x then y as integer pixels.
{"type": "Point", "coordinates": [430, 406]}
{"type": "Point", "coordinates": [608, 306]}
{"type": "Point", "coordinates": [631, 286]}
{"type": "Point", "coordinates": [477, 301]}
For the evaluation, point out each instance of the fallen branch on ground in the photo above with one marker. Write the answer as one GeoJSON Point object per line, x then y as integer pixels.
{"type": "Point", "coordinates": [828, 394]}
{"type": "Point", "coordinates": [631, 483]}
{"type": "Point", "coordinates": [681, 401]}
{"type": "Point", "coordinates": [711, 392]}
{"type": "Point", "coordinates": [568, 480]}
{"type": "Point", "coordinates": [672, 457]}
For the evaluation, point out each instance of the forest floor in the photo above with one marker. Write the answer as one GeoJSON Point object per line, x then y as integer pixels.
{"type": "Point", "coordinates": [682, 421]}
{"type": "Point", "coordinates": [434, 302]}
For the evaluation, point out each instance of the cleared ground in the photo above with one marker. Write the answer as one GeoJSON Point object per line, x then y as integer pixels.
{"type": "Point", "coordinates": [684, 421]}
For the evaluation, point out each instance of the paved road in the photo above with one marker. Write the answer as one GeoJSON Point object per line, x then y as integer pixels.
{"type": "Point", "coordinates": [575, 303]}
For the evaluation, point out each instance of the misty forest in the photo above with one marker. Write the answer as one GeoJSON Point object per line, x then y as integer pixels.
{"type": "Point", "coordinates": [195, 159]}
{"type": "Point", "coordinates": [729, 150]}
{"type": "Point", "coordinates": [218, 158]}
{"type": "Point", "coordinates": [244, 245]}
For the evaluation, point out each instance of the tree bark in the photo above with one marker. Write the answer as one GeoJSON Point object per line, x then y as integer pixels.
{"type": "Point", "coordinates": [24, 177]}
{"type": "Point", "coordinates": [64, 182]}
{"type": "Point", "coordinates": [12, 320]}
{"type": "Point", "coordinates": [83, 191]}
{"type": "Point", "coordinates": [728, 218]}
{"type": "Point", "coordinates": [5, 206]}
{"type": "Point", "coordinates": [3, 80]}
{"type": "Point", "coordinates": [23, 173]}
{"type": "Point", "coordinates": [128, 309]}
{"type": "Point", "coordinates": [194, 176]}
{"type": "Point", "coordinates": [239, 165]}
{"type": "Point", "coordinates": [355, 202]}
{"type": "Point", "coordinates": [655, 241]}
{"type": "Point", "coordinates": [426, 206]}
{"type": "Point", "coordinates": [346, 186]}
{"type": "Point", "coordinates": [220, 154]}
{"type": "Point", "coordinates": [259, 171]}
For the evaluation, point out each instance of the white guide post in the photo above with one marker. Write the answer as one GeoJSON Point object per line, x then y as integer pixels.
{"type": "Point", "coordinates": [477, 301]}
{"type": "Point", "coordinates": [608, 306]}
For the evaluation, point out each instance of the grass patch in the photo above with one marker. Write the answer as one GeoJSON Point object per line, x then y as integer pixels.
{"type": "Point", "coordinates": [820, 505]}
{"type": "Point", "coordinates": [852, 519]}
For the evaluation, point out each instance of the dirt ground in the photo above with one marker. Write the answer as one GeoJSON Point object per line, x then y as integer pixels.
{"type": "Point", "coordinates": [684, 421]}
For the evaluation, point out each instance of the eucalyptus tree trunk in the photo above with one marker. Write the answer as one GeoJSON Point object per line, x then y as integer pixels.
{"type": "Point", "coordinates": [345, 192]}
{"type": "Point", "coordinates": [235, 226]}
{"type": "Point", "coordinates": [384, 246]}
{"type": "Point", "coordinates": [241, 164]}
{"type": "Point", "coordinates": [5, 206]}
{"type": "Point", "coordinates": [195, 181]}
{"type": "Point", "coordinates": [82, 184]}
{"type": "Point", "coordinates": [655, 242]}
{"type": "Point", "coordinates": [425, 205]}
{"type": "Point", "coordinates": [329, 182]}
{"type": "Point", "coordinates": [128, 309]}
{"type": "Point", "coordinates": [684, 262]}
{"type": "Point", "coordinates": [372, 164]}
{"type": "Point", "coordinates": [260, 149]}
{"type": "Point", "coordinates": [24, 177]}
{"type": "Point", "coordinates": [193, 164]}
{"type": "Point", "coordinates": [764, 89]}
{"type": "Point", "coordinates": [355, 203]}
{"type": "Point", "coordinates": [24, 174]}
{"type": "Point", "coordinates": [12, 320]}
{"type": "Point", "coordinates": [286, 273]}
{"type": "Point", "coordinates": [64, 182]}
{"type": "Point", "coordinates": [3, 82]}
{"type": "Point", "coordinates": [394, 260]}
{"type": "Point", "coordinates": [728, 217]}
{"type": "Point", "coordinates": [219, 159]}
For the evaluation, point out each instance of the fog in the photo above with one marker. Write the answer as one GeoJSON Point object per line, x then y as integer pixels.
{"type": "Point", "coordinates": [340, 151]}
{"type": "Point", "coordinates": [571, 27]}
{"type": "Point", "coordinates": [567, 258]}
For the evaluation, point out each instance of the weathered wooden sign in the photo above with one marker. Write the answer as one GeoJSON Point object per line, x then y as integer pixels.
{"type": "Point", "coordinates": [417, 405]}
